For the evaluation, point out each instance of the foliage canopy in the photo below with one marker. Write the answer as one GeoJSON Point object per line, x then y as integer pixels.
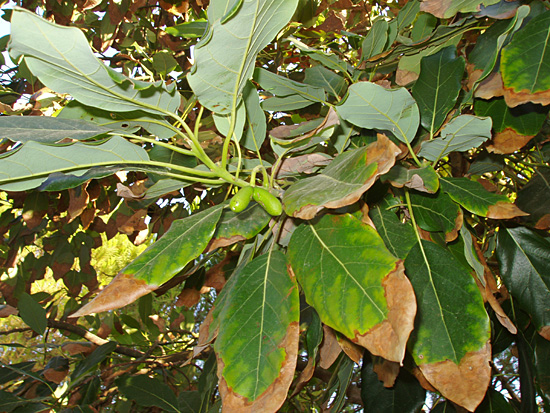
{"type": "Point", "coordinates": [275, 205]}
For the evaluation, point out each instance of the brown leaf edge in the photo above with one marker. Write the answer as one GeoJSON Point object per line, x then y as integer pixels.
{"type": "Point", "coordinates": [388, 339]}
{"type": "Point", "coordinates": [275, 395]}
{"type": "Point", "coordinates": [382, 152]}
{"type": "Point", "coordinates": [453, 234]}
{"type": "Point", "coordinates": [545, 332]}
{"type": "Point", "coordinates": [466, 383]}
{"type": "Point", "coordinates": [122, 290]}
{"type": "Point", "coordinates": [508, 141]}
{"type": "Point", "coordinates": [505, 210]}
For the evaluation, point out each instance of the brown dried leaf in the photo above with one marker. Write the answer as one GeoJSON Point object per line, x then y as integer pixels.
{"type": "Point", "coordinates": [205, 335]}
{"type": "Point", "coordinates": [464, 384]}
{"type": "Point", "coordinates": [545, 332]}
{"type": "Point", "coordinates": [505, 210]}
{"type": "Point", "coordinates": [78, 348]}
{"type": "Point", "coordinates": [435, 7]}
{"type": "Point", "coordinates": [177, 8]}
{"type": "Point", "coordinates": [543, 223]}
{"type": "Point", "coordinates": [128, 225]}
{"type": "Point", "coordinates": [275, 395]}
{"type": "Point", "coordinates": [78, 201]}
{"type": "Point", "coordinates": [489, 87]}
{"type": "Point", "coordinates": [387, 371]}
{"type": "Point", "coordinates": [282, 132]}
{"type": "Point", "coordinates": [55, 375]}
{"type": "Point", "coordinates": [90, 4]}
{"type": "Point", "coordinates": [123, 290]}
{"type": "Point", "coordinates": [352, 350]}
{"type": "Point", "coordinates": [7, 310]}
{"type": "Point", "coordinates": [499, 312]}
{"type": "Point", "coordinates": [329, 349]}
{"type": "Point", "coordinates": [405, 77]}
{"type": "Point", "coordinates": [453, 234]}
{"type": "Point", "coordinates": [389, 338]}
{"type": "Point", "coordinates": [333, 23]}
{"type": "Point", "coordinates": [508, 141]}
{"type": "Point", "coordinates": [422, 380]}
{"type": "Point", "coordinates": [188, 297]}
{"type": "Point", "coordinates": [515, 98]}
{"type": "Point", "coordinates": [306, 164]}
{"type": "Point", "coordinates": [304, 377]}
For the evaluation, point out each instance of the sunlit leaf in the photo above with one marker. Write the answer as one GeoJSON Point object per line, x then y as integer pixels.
{"type": "Point", "coordinates": [260, 313]}
{"type": "Point", "coordinates": [62, 59]}
{"type": "Point", "coordinates": [343, 182]}
{"type": "Point", "coordinates": [369, 105]}
{"type": "Point", "coordinates": [363, 295]}
{"type": "Point", "coordinates": [454, 359]}
{"type": "Point", "coordinates": [225, 57]}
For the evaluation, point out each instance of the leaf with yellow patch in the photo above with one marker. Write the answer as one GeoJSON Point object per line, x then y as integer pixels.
{"type": "Point", "coordinates": [343, 182]}
{"type": "Point", "coordinates": [364, 296]}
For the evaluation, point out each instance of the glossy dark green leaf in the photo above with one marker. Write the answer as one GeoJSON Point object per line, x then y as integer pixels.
{"type": "Point", "coordinates": [30, 166]}
{"type": "Point", "coordinates": [11, 372]}
{"type": "Point", "coordinates": [524, 63]}
{"type": "Point", "coordinates": [62, 59]}
{"type": "Point", "coordinates": [463, 133]}
{"type": "Point", "coordinates": [422, 179]}
{"type": "Point", "coordinates": [342, 182]}
{"type": "Point", "coordinates": [349, 291]}
{"type": "Point", "coordinates": [472, 196]}
{"type": "Point", "coordinates": [320, 76]}
{"type": "Point", "coordinates": [148, 392]}
{"type": "Point", "coordinates": [47, 130]}
{"type": "Point", "coordinates": [436, 89]}
{"type": "Point", "coordinates": [534, 197]}
{"type": "Point", "coordinates": [226, 56]}
{"type": "Point", "coordinates": [32, 313]}
{"type": "Point", "coordinates": [495, 402]}
{"type": "Point", "coordinates": [437, 213]}
{"type": "Point", "coordinates": [371, 106]}
{"type": "Point", "coordinates": [406, 396]}
{"type": "Point", "coordinates": [234, 227]}
{"type": "Point", "coordinates": [260, 313]}
{"type": "Point", "coordinates": [453, 358]}
{"type": "Point", "coordinates": [423, 26]}
{"type": "Point", "coordinates": [339, 383]}
{"type": "Point", "coordinates": [524, 258]}
{"type": "Point", "coordinates": [189, 402]}
{"type": "Point", "coordinates": [398, 237]}
{"type": "Point", "coordinates": [183, 242]}
{"type": "Point", "coordinates": [91, 362]}
{"type": "Point", "coordinates": [542, 363]}
{"type": "Point", "coordinates": [408, 14]}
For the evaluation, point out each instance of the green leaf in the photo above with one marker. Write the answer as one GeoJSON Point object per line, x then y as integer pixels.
{"type": "Point", "coordinates": [407, 14]}
{"type": "Point", "coordinates": [342, 182]}
{"type": "Point", "coordinates": [369, 105]}
{"type": "Point", "coordinates": [534, 197]}
{"type": "Point", "coordinates": [398, 237]}
{"type": "Point", "coordinates": [452, 329]}
{"type": "Point", "coordinates": [189, 401]}
{"type": "Point", "coordinates": [148, 392]}
{"type": "Point", "coordinates": [353, 292]}
{"type": "Point", "coordinates": [256, 125]}
{"type": "Point", "coordinates": [406, 396]}
{"type": "Point", "coordinates": [164, 63]}
{"type": "Point", "coordinates": [226, 59]}
{"type": "Point", "coordinates": [47, 130]}
{"type": "Point", "coordinates": [29, 166]}
{"type": "Point", "coordinates": [91, 362]}
{"type": "Point", "coordinates": [422, 179]}
{"type": "Point", "coordinates": [374, 42]}
{"type": "Point", "coordinates": [423, 27]}
{"type": "Point", "coordinates": [320, 76]}
{"type": "Point", "coordinates": [234, 227]}
{"type": "Point", "coordinates": [260, 313]}
{"type": "Point", "coordinates": [281, 86]}
{"type": "Point", "coordinates": [461, 134]}
{"type": "Point", "coordinates": [524, 259]}
{"type": "Point", "coordinates": [183, 242]}
{"type": "Point", "coordinates": [525, 119]}
{"type": "Point", "coordinates": [495, 402]}
{"type": "Point", "coordinates": [32, 313]}
{"type": "Point", "coordinates": [525, 63]}
{"type": "Point", "coordinates": [437, 213]}
{"type": "Point", "coordinates": [438, 86]}
{"type": "Point", "coordinates": [330, 61]}
{"type": "Point", "coordinates": [191, 30]}
{"type": "Point", "coordinates": [62, 59]}
{"type": "Point", "coordinates": [472, 196]}
{"type": "Point", "coordinates": [285, 104]}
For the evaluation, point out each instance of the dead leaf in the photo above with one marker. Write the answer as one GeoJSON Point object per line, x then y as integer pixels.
{"type": "Point", "coordinates": [306, 164]}
{"type": "Point", "coordinates": [405, 77]}
{"type": "Point", "coordinates": [499, 312]}
{"type": "Point", "coordinates": [205, 335]}
{"type": "Point", "coordinates": [543, 223]}
{"type": "Point", "coordinates": [188, 297]}
{"type": "Point", "coordinates": [159, 322]}
{"type": "Point", "coordinates": [508, 141]}
{"type": "Point", "coordinates": [57, 375]}
{"type": "Point", "coordinates": [387, 371]}
{"type": "Point", "coordinates": [352, 350]}
{"type": "Point", "coordinates": [7, 310]}
{"type": "Point", "coordinates": [283, 132]}
{"type": "Point", "coordinates": [90, 4]}
{"type": "Point", "coordinates": [78, 201]}
{"type": "Point", "coordinates": [453, 234]}
{"type": "Point", "coordinates": [123, 290]}
{"type": "Point", "coordinates": [505, 210]}
{"type": "Point", "coordinates": [333, 23]}
{"type": "Point", "coordinates": [489, 87]}
{"type": "Point", "coordinates": [128, 225]}
{"type": "Point", "coordinates": [545, 332]}
{"type": "Point", "coordinates": [304, 377]}
{"type": "Point", "coordinates": [275, 395]}
{"type": "Point", "coordinates": [515, 98]}
{"type": "Point", "coordinates": [78, 348]}
{"type": "Point", "coordinates": [87, 217]}
{"type": "Point", "coordinates": [329, 350]}
{"type": "Point", "coordinates": [388, 339]}
{"type": "Point", "coordinates": [466, 383]}
{"type": "Point", "coordinates": [422, 380]}
{"type": "Point", "coordinates": [136, 191]}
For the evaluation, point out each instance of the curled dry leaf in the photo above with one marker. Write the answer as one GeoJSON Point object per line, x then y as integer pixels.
{"type": "Point", "coordinates": [389, 338]}
{"type": "Point", "coordinates": [205, 335]}
{"type": "Point", "coordinates": [7, 310]}
{"type": "Point", "coordinates": [353, 351]}
{"type": "Point", "coordinates": [303, 164]}
{"type": "Point", "coordinates": [123, 290]}
{"type": "Point", "coordinates": [78, 348]}
{"type": "Point", "coordinates": [329, 349]}
{"type": "Point", "coordinates": [274, 396]}
{"type": "Point", "coordinates": [466, 383]}
{"type": "Point", "coordinates": [545, 332]}
{"type": "Point", "coordinates": [387, 371]}
{"type": "Point", "coordinates": [499, 312]}
{"type": "Point", "coordinates": [505, 210]}
{"type": "Point", "coordinates": [188, 297]}
{"type": "Point", "coordinates": [508, 141]}
{"type": "Point", "coordinates": [543, 222]}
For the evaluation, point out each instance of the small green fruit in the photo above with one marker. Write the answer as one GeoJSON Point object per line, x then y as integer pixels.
{"type": "Point", "coordinates": [268, 201]}
{"type": "Point", "coordinates": [241, 199]}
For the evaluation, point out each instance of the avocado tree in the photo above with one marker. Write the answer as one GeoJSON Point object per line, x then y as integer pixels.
{"type": "Point", "coordinates": [275, 205]}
